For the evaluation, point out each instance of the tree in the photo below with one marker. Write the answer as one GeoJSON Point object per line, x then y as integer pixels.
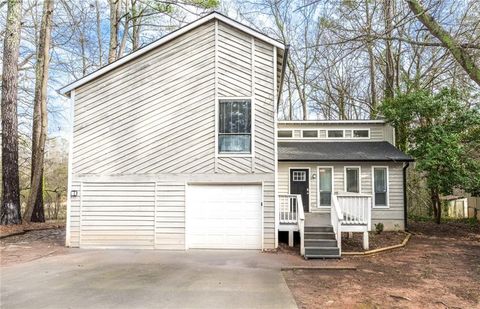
{"type": "Point", "coordinates": [10, 208]}
{"type": "Point", "coordinates": [458, 52]}
{"type": "Point", "coordinates": [39, 131]}
{"type": "Point", "coordinates": [443, 138]}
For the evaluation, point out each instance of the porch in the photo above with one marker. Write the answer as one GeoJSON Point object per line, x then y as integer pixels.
{"type": "Point", "coordinates": [320, 233]}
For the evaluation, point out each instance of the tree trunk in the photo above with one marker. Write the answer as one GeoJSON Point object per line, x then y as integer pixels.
{"type": "Point", "coordinates": [38, 214]}
{"type": "Point", "coordinates": [10, 208]}
{"type": "Point", "coordinates": [458, 52]}
{"type": "Point", "coordinates": [39, 134]}
{"type": "Point", "coordinates": [436, 205]}
{"type": "Point", "coordinates": [371, 59]}
{"type": "Point", "coordinates": [114, 12]}
{"type": "Point", "coordinates": [99, 32]}
{"type": "Point", "coordinates": [389, 62]}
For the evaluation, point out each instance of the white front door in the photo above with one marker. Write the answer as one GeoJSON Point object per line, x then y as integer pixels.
{"type": "Point", "coordinates": [224, 216]}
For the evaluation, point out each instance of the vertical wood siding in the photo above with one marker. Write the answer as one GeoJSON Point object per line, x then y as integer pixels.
{"type": "Point", "coordinates": [170, 216]}
{"type": "Point", "coordinates": [117, 215]}
{"type": "Point", "coordinates": [391, 217]}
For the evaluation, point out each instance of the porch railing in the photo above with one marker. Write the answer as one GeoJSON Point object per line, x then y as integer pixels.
{"type": "Point", "coordinates": [356, 208]}
{"type": "Point", "coordinates": [336, 217]}
{"type": "Point", "coordinates": [291, 212]}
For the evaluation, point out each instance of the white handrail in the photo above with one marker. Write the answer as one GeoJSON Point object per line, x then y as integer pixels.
{"type": "Point", "coordinates": [301, 224]}
{"type": "Point", "coordinates": [356, 208]}
{"type": "Point", "coordinates": [288, 208]}
{"type": "Point", "coordinates": [336, 217]}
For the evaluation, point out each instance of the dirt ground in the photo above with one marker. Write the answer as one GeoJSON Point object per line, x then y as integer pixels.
{"type": "Point", "coordinates": [32, 245]}
{"type": "Point", "coordinates": [439, 268]}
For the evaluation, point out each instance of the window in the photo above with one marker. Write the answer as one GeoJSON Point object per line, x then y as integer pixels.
{"type": "Point", "coordinates": [352, 179]}
{"type": "Point", "coordinates": [310, 133]}
{"type": "Point", "coordinates": [234, 129]}
{"type": "Point", "coordinates": [299, 176]}
{"type": "Point", "coordinates": [361, 133]}
{"type": "Point", "coordinates": [325, 185]}
{"type": "Point", "coordinates": [335, 134]}
{"type": "Point", "coordinates": [284, 133]}
{"type": "Point", "coordinates": [380, 186]}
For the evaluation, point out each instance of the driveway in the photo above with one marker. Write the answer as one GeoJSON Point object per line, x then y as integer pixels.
{"type": "Point", "coordinates": [147, 279]}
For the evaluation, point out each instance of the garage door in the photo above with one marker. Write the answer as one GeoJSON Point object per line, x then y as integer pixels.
{"type": "Point", "coordinates": [224, 216]}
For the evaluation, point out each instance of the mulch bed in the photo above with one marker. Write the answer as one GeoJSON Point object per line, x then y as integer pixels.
{"type": "Point", "coordinates": [376, 241]}
{"type": "Point", "coordinates": [16, 229]}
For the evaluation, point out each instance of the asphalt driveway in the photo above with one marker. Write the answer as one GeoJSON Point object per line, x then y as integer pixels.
{"type": "Point", "coordinates": [146, 279]}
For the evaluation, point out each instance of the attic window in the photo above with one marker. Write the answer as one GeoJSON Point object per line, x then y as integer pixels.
{"type": "Point", "coordinates": [361, 133]}
{"type": "Point", "coordinates": [335, 134]}
{"type": "Point", "coordinates": [310, 133]}
{"type": "Point", "coordinates": [285, 133]}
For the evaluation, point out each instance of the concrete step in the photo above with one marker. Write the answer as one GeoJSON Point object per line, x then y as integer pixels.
{"type": "Point", "coordinates": [321, 251]}
{"type": "Point", "coordinates": [324, 228]}
{"type": "Point", "coordinates": [319, 235]}
{"type": "Point", "coordinates": [321, 243]}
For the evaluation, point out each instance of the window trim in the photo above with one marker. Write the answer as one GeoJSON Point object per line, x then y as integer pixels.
{"type": "Point", "coordinates": [361, 129]}
{"type": "Point", "coordinates": [359, 178]}
{"type": "Point", "coordinates": [250, 154]}
{"type": "Point", "coordinates": [343, 136]}
{"type": "Point", "coordinates": [318, 185]}
{"type": "Point", "coordinates": [387, 198]}
{"type": "Point", "coordinates": [316, 130]}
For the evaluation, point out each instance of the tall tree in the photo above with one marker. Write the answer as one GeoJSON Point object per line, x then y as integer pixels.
{"type": "Point", "coordinates": [114, 22]}
{"type": "Point", "coordinates": [10, 209]}
{"type": "Point", "coordinates": [34, 209]}
{"type": "Point", "coordinates": [458, 52]}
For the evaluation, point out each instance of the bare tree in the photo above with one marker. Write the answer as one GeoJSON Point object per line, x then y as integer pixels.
{"type": "Point", "coordinates": [34, 209]}
{"type": "Point", "coordinates": [10, 179]}
{"type": "Point", "coordinates": [114, 22]}
{"type": "Point", "coordinates": [458, 52]}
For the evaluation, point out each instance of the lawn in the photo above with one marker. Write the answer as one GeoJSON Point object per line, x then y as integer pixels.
{"type": "Point", "coordinates": [439, 268]}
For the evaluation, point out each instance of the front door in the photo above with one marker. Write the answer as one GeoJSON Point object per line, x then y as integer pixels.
{"type": "Point", "coordinates": [299, 185]}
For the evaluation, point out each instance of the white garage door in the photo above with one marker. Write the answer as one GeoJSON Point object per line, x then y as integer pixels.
{"type": "Point", "coordinates": [224, 216]}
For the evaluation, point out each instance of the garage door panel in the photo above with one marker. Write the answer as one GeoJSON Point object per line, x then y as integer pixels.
{"type": "Point", "coordinates": [224, 216]}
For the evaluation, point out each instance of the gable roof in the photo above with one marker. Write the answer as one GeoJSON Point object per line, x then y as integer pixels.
{"type": "Point", "coordinates": [172, 35]}
{"type": "Point", "coordinates": [340, 151]}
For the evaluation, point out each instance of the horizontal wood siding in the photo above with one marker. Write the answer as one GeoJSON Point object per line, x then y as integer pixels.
{"type": "Point", "coordinates": [269, 214]}
{"type": "Point", "coordinates": [170, 216]}
{"type": "Point", "coordinates": [153, 115]}
{"type": "Point", "coordinates": [391, 217]}
{"type": "Point", "coordinates": [75, 216]}
{"type": "Point", "coordinates": [117, 215]}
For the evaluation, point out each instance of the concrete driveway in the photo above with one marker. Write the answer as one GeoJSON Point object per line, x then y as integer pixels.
{"type": "Point", "coordinates": [147, 279]}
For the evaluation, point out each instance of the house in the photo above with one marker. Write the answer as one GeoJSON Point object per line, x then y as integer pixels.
{"type": "Point", "coordinates": [177, 146]}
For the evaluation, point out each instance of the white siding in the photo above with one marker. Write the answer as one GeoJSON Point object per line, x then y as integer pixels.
{"type": "Point", "coordinates": [170, 216]}
{"type": "Point", "coordinates": [117, 215]}
{"type": "Point", "coordinates": [391, 217]}
{"type": "Point", "coordinates": [152, 121]}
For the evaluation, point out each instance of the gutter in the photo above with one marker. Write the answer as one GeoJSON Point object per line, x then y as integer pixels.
{"type": "Point", "coordinates": [405, 203]}
{"type": "Point", "coordinates": [282, 76]}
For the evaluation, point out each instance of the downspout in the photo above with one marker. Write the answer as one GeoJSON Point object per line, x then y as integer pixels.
{"type": "Point", "coordinates": [405, 210]}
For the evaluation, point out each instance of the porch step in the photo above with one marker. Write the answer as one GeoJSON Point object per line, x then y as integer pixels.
{"type": "Point", "coordinates": [321, 243]}
{"type": "Point", "coordinates": [319, 229]}
{"type": "Point", "coordinates": [321, 251]}
{"type": "Point", "coordinates": [319, 235]}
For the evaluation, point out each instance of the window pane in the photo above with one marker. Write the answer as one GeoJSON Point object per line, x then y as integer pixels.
{"type": "Point", "coordinates": [352, 180]}
{"type": "Point", "coordinates": [284, 133]}
{"type": "Point", "coordinates": [335, 133]}
{"type": "Point", "coordinates": [234, 143]}
{"type": "Point", "coordinates": [380, 199]}
{"type": "Point", "coordinates": [380, 186]}
{"type": "Point", "coordinates": [310, 133]}
{"type": "Point", "coordinates": [360, 133]}
{"type": "Point", "coordinates": [235, 117]}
